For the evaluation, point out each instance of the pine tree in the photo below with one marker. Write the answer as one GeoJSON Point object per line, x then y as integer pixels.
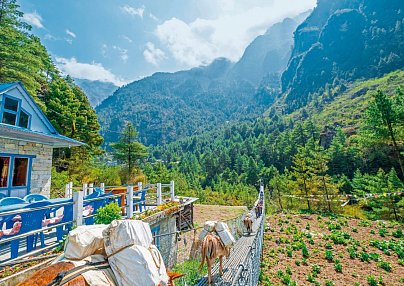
{"type": "Point", "coordinates": [128, 150]}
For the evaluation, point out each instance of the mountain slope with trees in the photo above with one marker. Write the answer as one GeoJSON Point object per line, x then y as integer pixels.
{"type": "Point", "coordinates": [95, 90]}
{"type": "Point", "coordinates": [168, 106]}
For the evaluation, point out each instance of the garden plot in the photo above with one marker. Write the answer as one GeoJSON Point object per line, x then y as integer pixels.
{"type": "Point", "coordinates": [319, 250]}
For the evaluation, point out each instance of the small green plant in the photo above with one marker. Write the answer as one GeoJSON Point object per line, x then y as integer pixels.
{"type": "Point", "coordinates": [329, 283]}
{"type": "Point", "coordinates": [305, 251]}
{"type": "Point", "coordinates": [382, 232]}
{"type": "Point", "coordinates": [315, 270]}
{"type": "Point", "coordinates": [372, 231]}
{"type": "Point", "coordinates": [310, 278]}
{"type": "Point", "coordinates": [354, 229]}
{"type": "Point", "coordinates": [385, 265]}
{"type": "Point", "coordinates": [329, 256]}
{"type": "Point", "coordinates": [194, 273]}
{"type": "Point", "coordinates": [398, 233]}
{"type": "Point", "coordinates": [288, 270]}
{"type": "Point", "coordinates": [338, 266]}
{"type": "Point", "coordinates": [289, 253]}
{"type": "Point", "coordinates": [108, 213]}
{"type": "Point", "coordinates": [352, 252]}
{"type": "Point", "coordinates": [372, 281]}
{"type": "Point", "coordinates": [304, 261]}
{"type": "Point", "coordinates": [364, 256]}
{"type": "Point", "coordinates": [297, 262]}
{"type": "Point", "coordinates": [328, 245]}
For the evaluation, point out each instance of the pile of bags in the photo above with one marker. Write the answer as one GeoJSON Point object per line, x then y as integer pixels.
{"type": "Point", "coordinates": [221, 229]}
{"type": "Point", "coordinates": [127, 244]}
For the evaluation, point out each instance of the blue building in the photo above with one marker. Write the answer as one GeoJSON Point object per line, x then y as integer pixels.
{"type": "Point", "coordinates": [27, 140]}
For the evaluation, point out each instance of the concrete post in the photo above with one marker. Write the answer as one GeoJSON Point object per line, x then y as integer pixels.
{"type": "Point", "coordinates": [85, 189]}
{"type": "Point", "coordinates": [90, 188]}
{"type": "Point", "coordinates": [159, 196]}
{"type": "Point", "coordinates": [78, 207]}
{"type": "Point", "coordinates": [70, 190]}
{"type": "Point", "coordinates": [102, 187]}
{"type": "Point", "coordinates": [129, 201]}
{"type": "Point", "coordinates": [172, 191]}
{"type": "Point", "coordinates": [67, 191]}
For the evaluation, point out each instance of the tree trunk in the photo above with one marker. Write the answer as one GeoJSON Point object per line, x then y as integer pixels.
{"type": "Point", "coordinates": [307, 194]}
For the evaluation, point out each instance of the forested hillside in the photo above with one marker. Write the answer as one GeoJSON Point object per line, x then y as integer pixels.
{"type": "Point", "coordinates": [168, 106]}
{"type": "Point", "coordinates": [342, 41]}
{"type": "Point", "coordinates": [233, 158]}
{"type": "Point", "coordinates": [23, 58]}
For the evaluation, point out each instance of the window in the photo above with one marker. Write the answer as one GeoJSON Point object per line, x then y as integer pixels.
{"type": "Point", "coordinates": [15, 174]}
{"type": "Point", "coordinates": [156, 240]}
{"type": "Point", "coordinates": [4, 166]}
{"type": "Point", "coordinates": [20, 172]}
{"type": "Point", "coordinates": [13, 114]}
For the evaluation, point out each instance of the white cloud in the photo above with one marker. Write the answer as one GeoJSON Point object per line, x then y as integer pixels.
{"type": "Point", "coordinates": [92, 71]}
{"type": "Point", "coordinates": [133, 11]}
{"type": "Point", "coordinates": [123, 53]}
{"type": "Point", "coordinates": [70, 33]}
{"type": "Point", "coordinates": [126, 38]}
{"type": "Point", "coordinates": [152, 16]}
{"type": "Point", "coordinates": [152, 54]}
{"type": "Point", "coordinates": [227, 30]}
{"type": "Point", "coordinates": [34, 19]}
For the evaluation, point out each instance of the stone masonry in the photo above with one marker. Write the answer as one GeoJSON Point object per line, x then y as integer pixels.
{"type": "Point", "coordinates": [41, 164]}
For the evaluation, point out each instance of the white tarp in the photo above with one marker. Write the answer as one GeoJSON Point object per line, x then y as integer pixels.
{"type": "Point", "coordinates": [84, 241]}
{"type": "Point", "coordinates": [133, 259]}
{"type": "Point", "coordinates": [103, 277]}
{"type": "Point", "coordinates": [210, 225]}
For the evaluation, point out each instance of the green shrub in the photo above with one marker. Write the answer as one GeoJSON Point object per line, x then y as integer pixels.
{"type": "Point", "coordinates": [364, 256]}
{"type": "Point", "coordinates": [329, 283]}
{"type": "Point", "coordinates": [398, 233]}
{"type": "Point", "coordinates": [328, 255]}
{"type": "Point", "coordinates": [372, 281]}
{"type": "Point", "coordinates": [108, 213]}
{"type": "Point", "coordinates": [385, 265]}
{"type": "Point", "coordinates": [192, 271]}
{"type": "Point", "coordinates": [382, 232]}
{"type": "Point", "coordinates": [338, 266]}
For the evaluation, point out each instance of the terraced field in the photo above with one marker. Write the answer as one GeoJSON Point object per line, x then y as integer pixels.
{"type": "Point", "coordinates": [319, 250]}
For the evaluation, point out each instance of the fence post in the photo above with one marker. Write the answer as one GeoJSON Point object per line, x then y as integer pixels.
{"type": "Point", "coordinates": [102, 187]}
{"type": "Point", "coordinates": [70, 190]}
{"type": "Point", "coordinates": [78, 207]}
{"type": "Point", "coordinates": [172, 191]}
{"type": "Point", "coordinates": [90, 188]}
{"type": "Point", "coordinates": [67, 191]}
{"type": "Point", "coordinates": [159, 196]}
{"type": "Point", "coordinates": [85, 189]}
{"type": "Point", "coordinates": [129, 201]}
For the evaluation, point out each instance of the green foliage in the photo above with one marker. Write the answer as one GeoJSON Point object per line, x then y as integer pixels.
{"type": "Point", "coordinates": [329, 255]}
{"type": "Point", "coordinates": [108, 213]}
{"type": "Point", "coordinates": [338, 266]}
{"type": "Point", "coordinates": [372, 280]}
{"type": "Point", "coordinates": [192, 271]}
{"type": "Point", "coordinates": [385, 265]}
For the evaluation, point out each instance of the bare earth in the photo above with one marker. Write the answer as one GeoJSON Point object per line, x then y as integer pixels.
{"type": "Point", "coordinates": [203, 213]}
{"type": "Point", "coordinates": [284, 233]}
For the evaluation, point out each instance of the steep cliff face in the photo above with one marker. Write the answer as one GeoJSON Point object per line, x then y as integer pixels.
{"type": "Point", "coordinates": [343, 41]}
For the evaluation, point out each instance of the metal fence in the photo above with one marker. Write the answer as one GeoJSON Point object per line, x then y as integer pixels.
{"type": "Point", "coordinates": [248, 272]}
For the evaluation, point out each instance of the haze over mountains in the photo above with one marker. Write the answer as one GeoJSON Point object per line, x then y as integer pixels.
{"type": "Point", "coordinates": [168, 106]}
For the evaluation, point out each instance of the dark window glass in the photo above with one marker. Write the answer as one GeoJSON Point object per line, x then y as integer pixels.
{"type": "Point", "coordinates": [24, 118]}
{"type": "Point", "coordinates": [9, 118]}
{"type": "Point", "coordinates": [11, 104]}
{"type": "Point", "coordinates": [20, 172]}
{"type": "Point", "coordinates": [4, 166]}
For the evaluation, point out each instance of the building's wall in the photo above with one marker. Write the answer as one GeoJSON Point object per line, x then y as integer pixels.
{"type": "Point", "coordinates": [41, 164]}
{"type": "Point", "coordinates": [168, 243]}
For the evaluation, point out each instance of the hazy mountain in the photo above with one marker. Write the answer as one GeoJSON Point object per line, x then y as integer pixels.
{"type": "Point", "coordinates": [167, 106]}
{"type": "Point", "coordinates": [95, 90]}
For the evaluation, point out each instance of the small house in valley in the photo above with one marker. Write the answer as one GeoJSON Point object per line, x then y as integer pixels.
{"type": "Point", "coordinates": [27, 140]}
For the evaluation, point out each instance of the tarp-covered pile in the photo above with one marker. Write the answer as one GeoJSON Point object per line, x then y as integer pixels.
{"type": "Point", "coordinates": [127, 244]}
{"type": "Point", "coordinates": [221, 229]}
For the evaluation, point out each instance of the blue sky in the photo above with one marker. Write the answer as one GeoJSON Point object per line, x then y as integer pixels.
{"type": "Point", "coordinates": [123, 40]}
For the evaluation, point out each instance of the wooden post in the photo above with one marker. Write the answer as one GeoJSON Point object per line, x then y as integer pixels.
{"type": "Point", "coordinates": [159, 197]}
{"type": "Point", "coordinates": [70, 190]}
{"type": "Point", "coordinates": [90, 188]}
{"type": "Point", "coordinates": [129, 201]}
{"type": "Point", "coordinates": [172, 191]}
{"type": "Point", "coordinates": [139, 188]}
{"type": "Point", "coordinates": [78, 207]}
{"type": "Point", "coordinates": [85, 189]}
{"type": "Point", "coordinates": [102, 187]}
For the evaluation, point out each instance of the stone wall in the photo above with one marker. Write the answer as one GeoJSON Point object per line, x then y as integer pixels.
{"type": "Point", "coordinates": [168, 243]}
{"type": "Point", "coordinates": [41, 164]}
